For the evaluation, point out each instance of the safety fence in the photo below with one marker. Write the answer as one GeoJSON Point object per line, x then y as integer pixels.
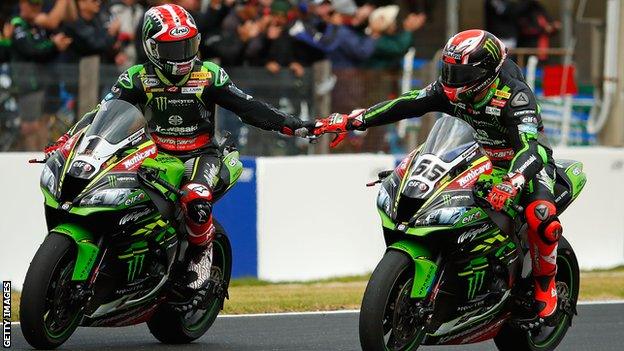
{"type": "Point", "coordinates": [311, 217]}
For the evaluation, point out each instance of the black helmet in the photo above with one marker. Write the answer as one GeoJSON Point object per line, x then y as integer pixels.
{"type": "Point", "coordinates": [471, 61]}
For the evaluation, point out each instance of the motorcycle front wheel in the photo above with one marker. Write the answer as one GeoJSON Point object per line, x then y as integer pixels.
{"type": "Point", "coordinates": [387, 321]}
{"type": "Point", "coordinates": [47, 315]}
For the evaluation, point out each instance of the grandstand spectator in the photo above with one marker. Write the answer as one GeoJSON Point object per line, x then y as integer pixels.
{"type": "Point", "coordinates": [209, 24]}
{"type": "Point", "coordinates": [32, 47]}
{"type": "Point", "coordinates": [343, 45]}
{"type": "Point", "coordinates": [242, 40]}
{"type": "Point", "coordinates": [89, 33]}
{"type": "Point", "coordinates": [5, 41]}
{"type": "Point", "coordinates": [501, 19]}
{"type": "Point", "coordinates": [391, 45]}
{"type": "Point", "coordinates": [130, 14]}
{"type": "Point", "coordinates": [59, 11]}
{"type": "Point", "coordinates": [536, 27]}
{"type": "Point", "coordinates": [280, 49]}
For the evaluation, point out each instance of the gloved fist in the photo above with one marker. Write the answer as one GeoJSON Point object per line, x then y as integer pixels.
{"type": "Point", "coordinates": [48, 150]}
{"type": "Point", "coordinates": [500, 193]}
{"type": "Point", "coordinates": [339, 124]}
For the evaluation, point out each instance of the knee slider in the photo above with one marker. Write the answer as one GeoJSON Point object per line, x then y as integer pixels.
{"type": "Point", "coordinates": [542, 218]}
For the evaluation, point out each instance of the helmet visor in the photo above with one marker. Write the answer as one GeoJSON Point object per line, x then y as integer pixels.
{"type": "Point", "coordinates": [457, 75]}
{"type": "Point", "coordinates": [182, 50]}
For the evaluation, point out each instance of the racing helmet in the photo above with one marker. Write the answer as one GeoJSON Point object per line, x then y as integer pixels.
{"type": "Point", "coordinates": [471, 61]}
{"type": "Point", "coordinates": [170, 38]}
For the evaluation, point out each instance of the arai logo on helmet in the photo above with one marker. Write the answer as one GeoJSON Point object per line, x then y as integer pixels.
{"type": "Point", "coordinates": [179, 31]}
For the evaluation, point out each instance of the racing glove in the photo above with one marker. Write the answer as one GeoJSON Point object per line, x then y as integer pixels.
{"type": "Point", "coordinates": [339, 124]}
{"type": "Point", "coordinates": [49, 150]}
{"type": "Point", "coordinates": [506, 190]}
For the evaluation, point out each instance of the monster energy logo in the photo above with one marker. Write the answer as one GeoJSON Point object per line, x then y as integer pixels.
{"type": "Point", "coordinates": [475, 283]}
{"type": "Point", "coordinates": [147, 27]}
{"type": "Point", "coordinates": [491, 48]}
{"type": "Point", "coordinates": [112, 181]}
{"type": "Point", "coordinates": [135, 265]}
{"type": "Point", "coordinates": [161, 103]}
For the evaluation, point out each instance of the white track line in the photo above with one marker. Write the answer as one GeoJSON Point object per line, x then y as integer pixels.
{"type": "Point", "coordinates": [316, 313]}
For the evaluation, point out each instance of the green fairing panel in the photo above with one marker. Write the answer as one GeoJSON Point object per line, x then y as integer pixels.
{"type": "Point", "coordinates": [49, 200]}
{"type": "Point", "coordinates": [234, 165]}
{"type": "Point", "coordinates": [172, 166]}
{"type": "Point", "coordinates": [87, 251]}
{"type": "Point", "coordinates": [424, 269]}
{"type": "Point", "coordinates": [577, 177]}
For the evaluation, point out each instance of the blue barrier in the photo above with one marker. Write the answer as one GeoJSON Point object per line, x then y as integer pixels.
{"type": "Point", "coordinates": [237, 212]}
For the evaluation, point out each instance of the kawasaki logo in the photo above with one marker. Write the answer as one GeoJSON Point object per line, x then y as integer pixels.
{"type": "Point", "coordinates": [471, 234]}
{"type": "Point", "coordinates": [139, 156]}
{"type": "Point", "coordinates": [131, 217]}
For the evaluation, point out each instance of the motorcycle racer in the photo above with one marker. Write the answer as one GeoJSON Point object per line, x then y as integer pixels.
{"type": "Point", "coordinates": [178, 93]}
{"type": "Point", "coordinates": [479, 85]}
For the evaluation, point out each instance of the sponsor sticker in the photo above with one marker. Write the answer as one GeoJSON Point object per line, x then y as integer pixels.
{"type": "Point", "coordinates": [197, 83]}
{"type": "Point", "coordinates": [172, 89]}
{"type": "Point", "coordinates": [192, 90]}
{"type": "Point", "coordinates": [502, 94]}
{"type": "Point", "coordinates": [136, 158]}
{"type": "Point", "coordinates": [179, 31]}
{"type": "Point", "coordinates": [492, 110]}
{"type": "Point", "coordinates": [498, 102]}
{"type": "Point", "coordinates": [521, 99]}
{"type": "Point", "coordinates": [201, 75]}
{"type": "Point", "coordinates": [150, 82]}
{"type": "Point", "coordinates": [470, 176]}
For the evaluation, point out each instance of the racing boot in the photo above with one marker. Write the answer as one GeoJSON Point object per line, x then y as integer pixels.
{"type": "Point", "coordinates": [544, 231]}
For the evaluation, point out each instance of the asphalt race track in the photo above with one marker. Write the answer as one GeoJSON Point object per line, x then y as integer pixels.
{"type": "Point", "coordinates": [598, 327]}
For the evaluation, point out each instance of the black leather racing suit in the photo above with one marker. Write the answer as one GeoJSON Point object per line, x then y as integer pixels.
{"type": "Point", "coordinates": [507, 123]}
{"type": "Point", "coordinates": [181, 114]}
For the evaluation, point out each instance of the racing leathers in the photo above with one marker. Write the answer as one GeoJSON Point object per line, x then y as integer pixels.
{"type": "Point", "coordinates": [509, 127]}
{"type": "Point", "coordinates": [181, 121]}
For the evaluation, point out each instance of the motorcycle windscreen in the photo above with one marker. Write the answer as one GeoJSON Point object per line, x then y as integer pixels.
{"type": "Point", "coordinates": [449, 143]}
{"type": "Point", "coordinates": [113, 127]}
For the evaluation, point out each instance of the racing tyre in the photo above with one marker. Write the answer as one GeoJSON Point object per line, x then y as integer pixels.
{"type": "Point", "coordinates": [172, 327]}
{"type": "Point", "coordinates": [548, 338]}
{"type": "Point", "coordinates": [47, 315]}
{"type": "Point", "coordinates": [386, 322]}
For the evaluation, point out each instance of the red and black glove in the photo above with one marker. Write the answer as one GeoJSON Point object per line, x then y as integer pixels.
{"type": "Point", "coordinates": [339, 124]}
{"type": "Point", "coordinates": [48, 150]}
{"type": "Point", "coordinates": [505, 190]}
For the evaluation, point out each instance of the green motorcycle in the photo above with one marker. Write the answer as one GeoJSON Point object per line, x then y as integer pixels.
{"type": "Point", "coordinates": [116, 239]}
{"type": "Point", "coordinates": [456, 272]}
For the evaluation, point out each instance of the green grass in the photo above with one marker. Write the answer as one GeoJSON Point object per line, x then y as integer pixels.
{"type": "Point", "coordinates": [250, 295]}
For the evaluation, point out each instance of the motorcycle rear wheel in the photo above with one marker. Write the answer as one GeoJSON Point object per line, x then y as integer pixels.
{"type": "Point", "coordinates": [173, 327]}
{"type": "Point", "coordinates": [383, 326]}
{"type": "Point", "coordinates": [46, 315]}
{"type": "Point", "coordinates": [568, 276]}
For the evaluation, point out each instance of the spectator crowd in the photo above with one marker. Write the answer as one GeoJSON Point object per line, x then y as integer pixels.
{"type": "Point", "coordinates": [275, 34]}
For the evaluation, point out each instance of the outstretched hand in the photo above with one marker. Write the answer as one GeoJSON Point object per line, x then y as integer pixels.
{"type": "Point", "coordinates": [339, 124]}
